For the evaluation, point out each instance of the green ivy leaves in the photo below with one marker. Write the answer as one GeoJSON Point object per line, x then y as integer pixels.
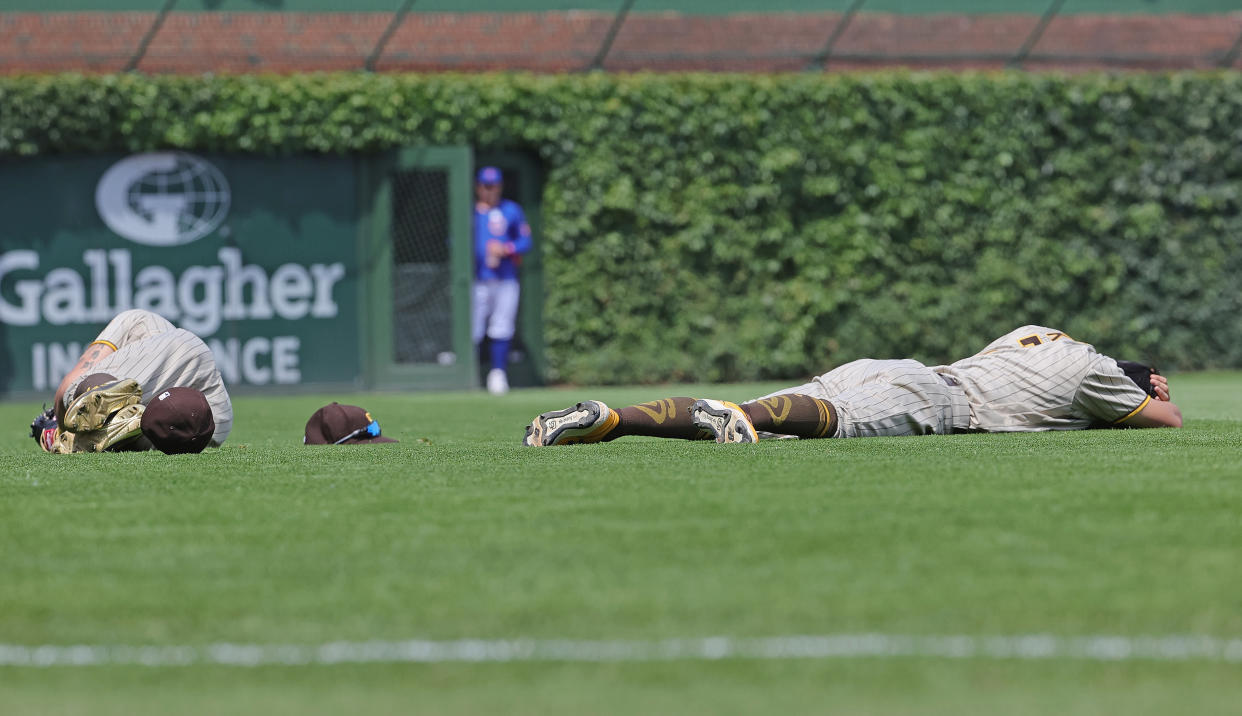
{"type": "Point", "coordinates": [735, 227]}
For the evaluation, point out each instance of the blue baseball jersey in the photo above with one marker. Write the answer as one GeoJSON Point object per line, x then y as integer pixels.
{"type": "Point", "coordinates": [507, 224]}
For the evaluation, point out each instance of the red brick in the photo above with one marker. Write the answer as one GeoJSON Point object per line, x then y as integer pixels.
{"type": "Point", "coordinates": [194, 42]}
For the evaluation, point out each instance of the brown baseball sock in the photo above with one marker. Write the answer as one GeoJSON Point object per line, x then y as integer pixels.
{"type": "Point", "coordinates": [664, 418]}
{"type": "Point", "coordinates": [793, 414]}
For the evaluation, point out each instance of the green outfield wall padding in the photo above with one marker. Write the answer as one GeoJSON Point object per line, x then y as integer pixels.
{"type": "Point", "coordinates": [700, 7]}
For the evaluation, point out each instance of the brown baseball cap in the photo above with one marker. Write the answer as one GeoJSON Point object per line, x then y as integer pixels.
{"type": "Point", "coordinates": [178, 420]}
{"type": "Point", "coordinates": [336, 424]}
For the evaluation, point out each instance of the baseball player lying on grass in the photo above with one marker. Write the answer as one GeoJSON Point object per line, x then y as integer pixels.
{"type": "Point", "coordinates": [142, 384]}
{"type": "Point", "coordinates": [1030, 379]}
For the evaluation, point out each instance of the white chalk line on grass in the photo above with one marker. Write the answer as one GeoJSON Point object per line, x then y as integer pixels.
{"type": "Point", "coordinates": [1036, 647]}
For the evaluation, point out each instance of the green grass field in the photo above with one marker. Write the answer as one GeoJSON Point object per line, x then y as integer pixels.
{"type": "Point", "coordinates": [458, 532]}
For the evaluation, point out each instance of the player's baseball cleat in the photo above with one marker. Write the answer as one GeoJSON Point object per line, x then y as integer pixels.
{"type": "Point", "coordinates": [586, 422]}
{"type": "Point", "coordinates": [725, 420]}
{"type": "Point", "coordinates": [92, 409]}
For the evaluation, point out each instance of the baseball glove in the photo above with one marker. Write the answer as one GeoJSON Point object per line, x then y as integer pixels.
{"type": "Point", "coordinates": [1140, 374]}
{"type": "Point", "coordinates": [43, 428]}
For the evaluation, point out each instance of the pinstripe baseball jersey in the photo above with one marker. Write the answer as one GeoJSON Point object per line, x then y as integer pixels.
{"type": "Point", "coordinates": [158, 355]}
{"type": "Point", "coordinates": [1030, 379]}
{"type": "Point", "coordinates": [888, 397]}
{"type": "Point", "coordinates": [1037, 378]}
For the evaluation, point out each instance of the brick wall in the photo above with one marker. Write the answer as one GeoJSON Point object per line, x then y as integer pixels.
{"type": "Point", "coordinates": [187, 42]}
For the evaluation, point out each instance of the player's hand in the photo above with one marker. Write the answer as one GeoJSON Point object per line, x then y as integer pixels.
{"type": "Point", "coordinates": [1160, 384]}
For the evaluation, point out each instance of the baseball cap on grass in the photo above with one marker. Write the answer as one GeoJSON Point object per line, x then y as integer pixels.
{"type": "Point", "coordinates": [488, 175]}
{"type": "Point", "coordinates": [337, 424]}
{"type": "Point", "coordinates": [178, 420]}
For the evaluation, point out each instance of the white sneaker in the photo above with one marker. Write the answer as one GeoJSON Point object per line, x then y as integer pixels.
{"type": "Point", "coordinates": [497, 382]}
{"type": "Point", "coordinates": [725, 420]}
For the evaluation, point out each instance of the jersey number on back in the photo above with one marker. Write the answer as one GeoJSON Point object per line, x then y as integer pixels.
{"type": "Point", "coordinates": [1034, 339]}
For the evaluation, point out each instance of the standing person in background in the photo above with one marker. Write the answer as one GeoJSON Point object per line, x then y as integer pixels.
{"type": "Point", "coordinates": [501, 236]}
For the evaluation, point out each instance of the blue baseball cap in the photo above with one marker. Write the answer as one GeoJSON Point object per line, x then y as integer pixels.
{"type": "Point", "coordinates": [488, 175]}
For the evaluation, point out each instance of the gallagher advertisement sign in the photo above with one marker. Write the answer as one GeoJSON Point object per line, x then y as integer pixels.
{"type": "Point", "coordinates": [256, 256]}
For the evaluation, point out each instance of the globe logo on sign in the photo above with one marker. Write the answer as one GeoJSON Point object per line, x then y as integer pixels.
{"type": "Point", "coordinates": [162, 198]}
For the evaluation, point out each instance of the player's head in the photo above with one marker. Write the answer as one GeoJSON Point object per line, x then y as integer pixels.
{"type": "Point", "coordinates": [178, 420]}
{"type": "Point", "coordinates": [487, 184]}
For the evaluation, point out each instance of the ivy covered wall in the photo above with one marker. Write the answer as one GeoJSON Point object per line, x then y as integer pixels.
{"type": "Point", "coordinates": [733, 227]}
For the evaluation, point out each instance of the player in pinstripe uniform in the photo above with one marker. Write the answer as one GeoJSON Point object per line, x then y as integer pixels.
{"type": "Point", "coordinates": [1033, 378]}
{"type": "Point", "coordinates": [138, 355]}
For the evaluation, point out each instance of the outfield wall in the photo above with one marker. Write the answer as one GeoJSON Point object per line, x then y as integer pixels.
{"type": "Point", "coordinates": [719, 227]}
{"type": "Point", "coordinates": [255, 255]}
{"type": "Point", "coordinates": [299, 271]}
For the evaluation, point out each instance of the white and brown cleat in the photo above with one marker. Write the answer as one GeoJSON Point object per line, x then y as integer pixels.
{"type": "Point", "coordinates": [727, 421]}
{"type": "Point", "coordinates": [586, 422]}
